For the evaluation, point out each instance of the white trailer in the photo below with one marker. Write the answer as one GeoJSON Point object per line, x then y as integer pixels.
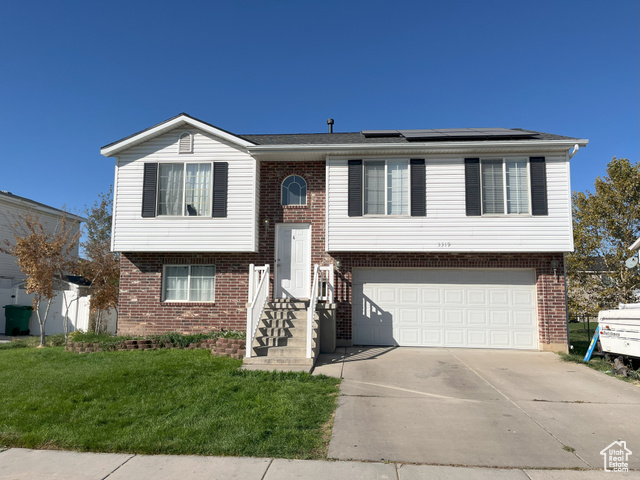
{"type": "Point", "coordinates": [620, 330]}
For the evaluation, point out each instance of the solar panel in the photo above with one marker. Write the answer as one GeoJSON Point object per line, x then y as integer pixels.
{"type": "Point", "coordinates": [449, 133]}
{"type": "Point", "coordinates": [380, 133]}
{"type": "Point", "coordinates": [460, 133]}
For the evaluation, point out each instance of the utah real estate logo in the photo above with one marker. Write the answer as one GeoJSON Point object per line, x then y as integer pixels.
{"type": "Point", "coordinates": [616, 457]}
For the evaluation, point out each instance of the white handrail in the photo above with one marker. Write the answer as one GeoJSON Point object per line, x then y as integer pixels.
{"type": "Point", "coordinates": [259, 285]}
{"type": "Point", "coordinates": [326, 283]}
{"type": "Point", "coordinates": [311, 311]}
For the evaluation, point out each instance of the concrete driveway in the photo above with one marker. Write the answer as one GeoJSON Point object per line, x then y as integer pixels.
{"type": "Point", "coordinates": [478, 408]}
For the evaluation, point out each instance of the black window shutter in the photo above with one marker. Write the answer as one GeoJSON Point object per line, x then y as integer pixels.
{"type": "Point", "coordinates": [149, 185]}
{"type": "Point", "coordinates": [355, 188]}
{"type": "Point", "coordinates": [418, 188]}
{"type": "Point", "coordinates": [472, 186]}
{"type": "Point", "coordinates": [538, 186]}
{"type": "Point", "coordinates": [220, 175]}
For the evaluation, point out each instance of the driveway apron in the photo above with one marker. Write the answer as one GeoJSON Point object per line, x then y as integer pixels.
{"type": "Point", "coordinates": [494, 408]}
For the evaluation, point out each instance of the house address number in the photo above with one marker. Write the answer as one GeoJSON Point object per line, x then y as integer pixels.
{"type": "Point", "coordinates": [444, 244]}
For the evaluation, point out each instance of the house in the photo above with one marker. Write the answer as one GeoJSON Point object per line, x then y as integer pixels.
{"type": "Point", "coordinates": [447, 238]}
{"type": "Point", "coordinates": [71, 292]}
{"type": "Point", "coordinates": [12, 209]}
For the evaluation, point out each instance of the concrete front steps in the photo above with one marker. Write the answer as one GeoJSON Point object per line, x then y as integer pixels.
{"type": "Point", "coordinates": [281, 339]}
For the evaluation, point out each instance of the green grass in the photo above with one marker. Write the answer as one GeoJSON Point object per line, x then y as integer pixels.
{"type": "Point", "coordinates": [580, 337]}
{"type": "Point", "coordinates": [162, 401]}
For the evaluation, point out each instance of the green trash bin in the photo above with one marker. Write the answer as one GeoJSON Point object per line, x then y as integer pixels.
{"type": "Point", "coordinates": [17, 319]}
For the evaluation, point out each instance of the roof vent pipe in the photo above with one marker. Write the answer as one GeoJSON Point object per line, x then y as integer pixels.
{"type": "Point", "coordinates": [330, 123]}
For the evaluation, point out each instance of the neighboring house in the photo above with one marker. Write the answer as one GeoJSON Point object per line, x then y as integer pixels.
{"type": "Point", "coordinates": [446, 238]}
{"type": "Point", "coordinates": [12, 209]}
{"type": "Point", "coordinates": [71, 303]}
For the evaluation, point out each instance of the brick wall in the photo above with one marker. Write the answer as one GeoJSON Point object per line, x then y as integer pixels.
{"type": "Point", "coordinates": [141, 310]}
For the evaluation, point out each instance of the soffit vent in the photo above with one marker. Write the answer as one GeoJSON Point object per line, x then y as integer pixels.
{"type": "Point", "coordinates": [185, 145]}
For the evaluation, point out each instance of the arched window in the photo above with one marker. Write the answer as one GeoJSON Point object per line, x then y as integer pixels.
{"type": "Point", "coordinates": [185, 145]}
{"type": "Point", "coordinates": [294, 191]}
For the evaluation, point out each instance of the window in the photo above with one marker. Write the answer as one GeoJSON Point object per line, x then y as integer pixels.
{"type": "Point", "coordinates": [185, 143]}
{"type": "Point", "coordinates": [188, 283]}
{"type": "Point", "coordinates": [386, 187]}
{"type": "Point", "coordinates": [184, 189]}
{"type": "Point", "coordinates": [294, 191]}
{"type": "Point", "coordinates": [505, 186]}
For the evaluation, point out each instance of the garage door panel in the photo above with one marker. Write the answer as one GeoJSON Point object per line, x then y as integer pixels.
{"type": "Point", "coordinates": [453, 296]}
{"type": "Point", "coordinates": [432, 337]}
{"type": "Point", "coordinates": [477, 308]}
{"type": "Point", "coordinates": [499, 318]}
{"type": "Point", "coordinates": [431, 316]}
{"type": "Point", "coordinates": [454, 338]}
{"type": "Point", "coordinates": [499, 297]}
{"type": "Point", "coordinates": [408, 336]}
{"type": "Point", "coordinates": [477, 339]}
{"type": "Point", "coordinates": [410, 295]}
{"type": "Point", "coordinates": [453, 317]}
{"type": "Point", "coordinates": [476, 296]}
{"type": "Point", "coordinates": [477, 318]}
{"type": "Point", "coordinates": [500, 338]}
{"type": "Point", "coordinates": [430, 296]}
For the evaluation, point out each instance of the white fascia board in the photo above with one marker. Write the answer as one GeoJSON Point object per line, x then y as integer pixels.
{"type": "Point", "coordinates": [636, 245]}
{"type": "Point", "coordinates": [440, 147]}
{"type": "Point", "coordinates": [115, 148]}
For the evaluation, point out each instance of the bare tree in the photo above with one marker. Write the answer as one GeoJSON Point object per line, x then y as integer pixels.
{"type": "Point", "coordinates": [44, 257]}
{"type": "Point", "coordinates": [101, 266]}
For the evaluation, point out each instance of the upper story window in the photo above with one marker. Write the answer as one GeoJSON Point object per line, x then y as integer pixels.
{"type": "Point", "coordinates": [184, 189]}
{"type": "Point", "coordinates": [505, 186]}
{"type": "Point", "coordinates": [294, 191]}
{"type": "Point", "coordinates": [386, 187]}
{"type": "Point", "coordinates": [185, 143]}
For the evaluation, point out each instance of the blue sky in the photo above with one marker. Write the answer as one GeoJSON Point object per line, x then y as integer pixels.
{"type": "Point", "coordinates": [77, 75]}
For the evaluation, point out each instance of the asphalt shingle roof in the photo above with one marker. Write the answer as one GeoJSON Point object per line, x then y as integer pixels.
{"type": "Point", "coordinates": [359, 138]}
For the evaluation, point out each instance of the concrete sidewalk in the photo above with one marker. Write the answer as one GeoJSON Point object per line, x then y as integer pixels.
{"type": "Point", "coordinates": [24, 464]}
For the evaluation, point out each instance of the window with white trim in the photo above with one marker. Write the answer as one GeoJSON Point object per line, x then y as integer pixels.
{"type": "Point", "coordinates": [505, 186]}
{"type": "Point", "coordinates": [386, 187]}
{"type": "Point", "coordinates": [294, 190]}
{"type": "Point", "coordinates": [184, 189]}
{"type": "Point", "coordinates": [188, 283]}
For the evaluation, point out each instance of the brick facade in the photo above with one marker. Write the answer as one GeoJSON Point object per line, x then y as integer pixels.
{"type": "Point", "coordinates": [142, 311]}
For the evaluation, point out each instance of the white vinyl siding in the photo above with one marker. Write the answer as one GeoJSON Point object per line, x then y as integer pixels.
{"type": "Point", "coordinates": [233, 233]}
{"type": "Point", "coordinates": [446, 227]}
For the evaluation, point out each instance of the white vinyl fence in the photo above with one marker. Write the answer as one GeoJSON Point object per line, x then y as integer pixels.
{"type": "Point", "coordinates": [67, 306]}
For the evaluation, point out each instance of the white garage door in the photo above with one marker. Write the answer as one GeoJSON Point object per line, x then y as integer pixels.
{"type": "Point", "coordinates": [445, 308]}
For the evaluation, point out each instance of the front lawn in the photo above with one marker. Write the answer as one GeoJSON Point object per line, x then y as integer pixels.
{"type": "Point", "coordinates": [162, 401]}
{"type": "Point", "coordinates": [580, 335]}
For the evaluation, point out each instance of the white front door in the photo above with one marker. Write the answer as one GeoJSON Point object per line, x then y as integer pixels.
{"type": "Point", "coordinates": [293, 260]}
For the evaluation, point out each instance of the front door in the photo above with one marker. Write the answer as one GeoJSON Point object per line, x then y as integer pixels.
{"type": "Point", "coordinates": [293, 260]}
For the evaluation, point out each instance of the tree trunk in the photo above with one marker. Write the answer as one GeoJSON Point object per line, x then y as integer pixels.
{"type": "Point", "coordinates": [43, 320]}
